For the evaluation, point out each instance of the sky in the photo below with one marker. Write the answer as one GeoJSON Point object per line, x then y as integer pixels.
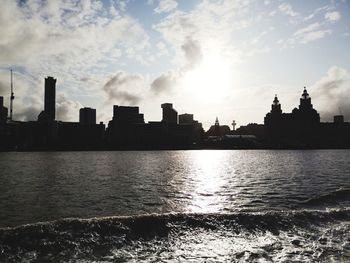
{"type": "Point", "coordinates": [224, 58]}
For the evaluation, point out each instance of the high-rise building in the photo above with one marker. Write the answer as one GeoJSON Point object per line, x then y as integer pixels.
{"type": "Point", "coordinates": [3, 110]}
{"type": "Point", "coordinates": [169, 113]}
{"type": "Point", "coordinates": [3, 115]}
{"type": "Point", "coordinates": [50, 99]}
{"type": "Point", "coordinates": [186, 118]}
{"type": "Point", "coordinates": [127, 115]}
{"type": "Point", "coordinates": [87, 116]}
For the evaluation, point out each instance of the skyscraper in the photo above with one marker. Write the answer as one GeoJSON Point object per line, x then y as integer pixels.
{"type": "Point", "coordinates": [87, 116]}
{"type": "Point", "coordinates": [169, 113]}
{"type": "Point", "coordinates": [50, 99]}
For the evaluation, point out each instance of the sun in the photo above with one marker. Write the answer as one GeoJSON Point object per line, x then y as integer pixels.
{"type": "Point", "coordinates": [210, 80]}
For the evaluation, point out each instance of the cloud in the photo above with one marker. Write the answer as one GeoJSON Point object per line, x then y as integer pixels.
{"type": "Point", "coordinates": [306, 34]}
{"type": "Point", "coordinates": [28, 93]}
{"type": "Point", "coordinates": [332, 16]}
{"type": "Point", "coordinates": [165, 6]}
{"type": "Point", "coordinates": [307, 29]}
{"type": "Point", "coordinates": [27, 114]}
{"type": "Point", "coordinates": [192, 51]}
{"type": "Point", "coordinates": [122, 88]}
{"type": "Point", "coordinates": [165, 82]}
{"type": "Point", "coordinates": [331, 94]}
{"type": "Point", "coordinates": [67, 37]}
{"type": "Point", "coordinates": [312, 36]}
{"type": "Point", "coordinates": [287, 9]}
{"type": "Point", "coordinates": [4, 89]}
{"type": "Point", "coordinates": [66, 109]}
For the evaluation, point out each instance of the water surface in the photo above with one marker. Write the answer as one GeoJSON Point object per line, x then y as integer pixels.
{"type": "Point", "coordinates": [239, 205]}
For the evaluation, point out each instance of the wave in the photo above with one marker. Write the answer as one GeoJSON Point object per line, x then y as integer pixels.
{"type": "Point", "coordinates": [335, 197]}
{"type": "Point", "coordinates": [150, 222]}
{"type": "Point", "coordinates": [69, 238]}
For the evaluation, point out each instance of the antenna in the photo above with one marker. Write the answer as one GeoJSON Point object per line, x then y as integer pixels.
{"type": "Point", "coordinates": [11, 98]}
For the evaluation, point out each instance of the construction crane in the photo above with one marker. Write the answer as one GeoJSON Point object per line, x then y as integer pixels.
{"type": "Point", "coordinates": [11, 98]}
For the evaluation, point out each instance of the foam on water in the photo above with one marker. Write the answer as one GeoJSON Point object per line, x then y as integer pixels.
{"type": "Point", "coordinates": [315, 235]}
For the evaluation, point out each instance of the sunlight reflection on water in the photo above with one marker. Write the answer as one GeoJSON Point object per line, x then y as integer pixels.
{"type": "Point", "coordinates": [207, 181]}
{"type": "Point", "coordinates": [84, 184]}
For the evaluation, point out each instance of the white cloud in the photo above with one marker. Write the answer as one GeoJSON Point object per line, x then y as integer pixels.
{"type": "Point", "coordinates": [312, 36]}
{"type": "Point", "coordinates": [306, 34]}
{"type": "Point", "coordinates": [287, 9]}
{"type": "Point", "coordinates": [165, 6]}
{"type": "Point", "coordinates": [67, 109]}
{"type": "Point", "coordinates": [69, 40]}
{"type": "Point", "coordinates": [332, 16]}
{"type": "Point", "coordinates": [307, 29]}
{"type": "Point", "coordinates": [64, 38]}
{"type": "Point", "coordinates": [168, 80]}
{"type": "Point", "coordinates": [331, 94]}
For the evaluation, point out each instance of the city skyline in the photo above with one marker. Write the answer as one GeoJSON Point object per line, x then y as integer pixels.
{"type": "Point", "coordinates": [208, 58]}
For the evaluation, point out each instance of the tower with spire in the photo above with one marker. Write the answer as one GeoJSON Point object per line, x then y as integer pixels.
{"type": "Point", "coordinates": [305, 101]}
{"type": "Point", "coordinates": [299, 125]}
{"type": "Point", "coordinates": [276, 106]}
{"type": "Point", "coordinates": [306, 114]}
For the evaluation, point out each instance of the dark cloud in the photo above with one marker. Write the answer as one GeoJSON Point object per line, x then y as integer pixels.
{"type": "Point", "coordinates": [192, 51]}
{"type": "Point", "coordinates": [119, 87]}
{"type": "Point", "coordinates": [164, 82]}
{"type": "Point", "coordinates": [85, 79]}
{"type": "Point", "coordinates": [331, 94]}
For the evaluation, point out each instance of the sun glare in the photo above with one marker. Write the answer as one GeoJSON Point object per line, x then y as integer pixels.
{"type": "Point", "coordinates": [211, 79]}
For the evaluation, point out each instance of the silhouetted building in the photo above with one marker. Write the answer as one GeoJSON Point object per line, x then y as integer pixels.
{"type": "Point", "coordinates": [301, 128]}
{"type": "Point", "coordinates": [123, 130]}
{"type": "Point", "coordinates": [338, 119]}
{"type": "Point", "coordinates": [50, 98]}
{"type": "Point", "coordinates": [127, 115]}
{"type": "Point", "coordinates": [3, 117]}
{"type": "Point", "coordinates": [197, 133]}
{"type": "Point", "coordinates": [75, 135]}
{"type": "Point", "coordinates": [49, 112]}
{"type": "Point", "coordinates": [3, 111]}
{"type": "Point", "coordinates": [169, 113]}
{"type": "Point", "coordinates": [87, 116]}
{"type": "Point", "coordinates": [254, 129]}
{"type": "Point", "coordinates": [186, 118]}
{"type": "Point", "coordinates": [218, 130]}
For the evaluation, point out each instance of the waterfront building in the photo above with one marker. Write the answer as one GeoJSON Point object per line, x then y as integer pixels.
{"type": "Point", "coordinates": [169, 113]}
{"type": "Point", "coordinates": [87, 116]}
{"type": "Point", "coordinates": [218, 130]}
{"type": "Point", "coordinates": [50, 98]}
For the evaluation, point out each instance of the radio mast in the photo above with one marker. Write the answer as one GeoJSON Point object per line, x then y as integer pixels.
{"type": "Point", "coordinates": [11, 98]}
